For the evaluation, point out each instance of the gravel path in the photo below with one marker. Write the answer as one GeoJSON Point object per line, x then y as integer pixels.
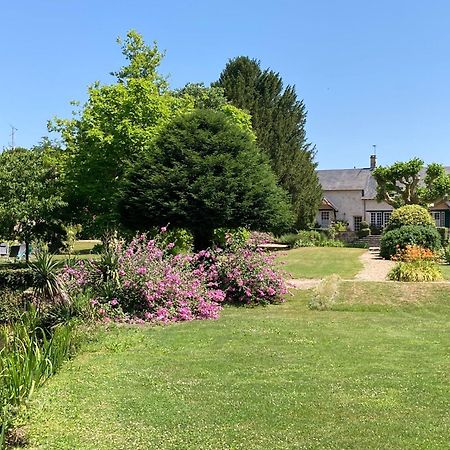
{"type": "Point", "coordinates": [375, 268]}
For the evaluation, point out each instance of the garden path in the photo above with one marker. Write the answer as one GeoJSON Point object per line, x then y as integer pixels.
{"type": "Point", "coordinates": [375, 268]}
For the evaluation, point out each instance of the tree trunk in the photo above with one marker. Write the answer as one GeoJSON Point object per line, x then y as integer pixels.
{"type": "Point", "coordinates": [27, 251]}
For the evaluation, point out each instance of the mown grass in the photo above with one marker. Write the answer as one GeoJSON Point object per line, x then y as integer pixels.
{"type": "Point", "coordinates": [319, 262]}
{"type": "Point", "coordinates": [446, 271]}
{"type": "Point", "coordinates": [373, 373]}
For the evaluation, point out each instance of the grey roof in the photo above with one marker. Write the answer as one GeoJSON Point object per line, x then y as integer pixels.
{"type": "Point", "coordinates": [353, 180]}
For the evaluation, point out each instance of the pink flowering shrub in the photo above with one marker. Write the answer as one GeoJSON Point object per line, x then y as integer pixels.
{"type": "Point", "coordinates": [145, 282]}
{"type": "Point", "coordinates": [247, 275]}
{"type": "Point", "coordinates": [150, 284]}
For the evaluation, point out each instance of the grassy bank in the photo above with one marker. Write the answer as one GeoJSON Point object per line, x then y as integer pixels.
{"type": "Point", "coordinates": [370, 374]}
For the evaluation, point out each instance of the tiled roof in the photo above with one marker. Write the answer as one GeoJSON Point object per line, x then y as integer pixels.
{"type": "Point", "coordinates": [353, 180]}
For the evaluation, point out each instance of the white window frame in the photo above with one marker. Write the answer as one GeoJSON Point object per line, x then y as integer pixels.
{"type": "Point", "coordinates": [439, 218]}
{"type": "Point", "coordinates": [357, 223]}
{"type": "Point", "coordinates": [325, 219]}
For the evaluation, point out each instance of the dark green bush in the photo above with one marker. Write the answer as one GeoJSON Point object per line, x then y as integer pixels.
{"type": "Point", "coordinates": [399, 238]}
{"type": "Point", "coordinates": [16, 279]}
{"type": "Point", "coordinates": [11, 305]}
{"type": "Point", "coordinates": [409, 215]}
{"type": "Point", "coordinates": [364, 232]}
{"type": "Point", "coordinates": [443, 231]}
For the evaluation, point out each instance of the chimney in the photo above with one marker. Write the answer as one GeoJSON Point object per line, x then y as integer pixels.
{"type": "Point", "coordinates": [373, 162]}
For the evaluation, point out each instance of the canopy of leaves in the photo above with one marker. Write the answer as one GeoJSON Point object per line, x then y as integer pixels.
{"type": "Point", "coordinates": [30, 194]}
{"type": "Point", "coordinates": [410, 215]}
{"type": "Point", "coordinates": [204, 173]}
{"type": "Point", "coordinates": [401, 183]}
{"type": "Point", "coordinates": [278, 119]}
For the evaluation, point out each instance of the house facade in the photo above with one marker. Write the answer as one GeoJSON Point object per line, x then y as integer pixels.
{"type": "Point", "coordinates": [349, 195]}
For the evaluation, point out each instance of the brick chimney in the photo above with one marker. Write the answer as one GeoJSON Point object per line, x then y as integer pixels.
{"type": "Point", "coordinates": [373, 162]}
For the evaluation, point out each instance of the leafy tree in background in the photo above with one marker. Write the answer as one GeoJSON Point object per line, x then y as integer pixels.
{"type": "Point", "coordinates": [278, 120]}
{"type": "Point", "coordinates": [402, 183]}
{"type": "Point", "coordinates": [118, 124]}
{"type": "Point", "coordinates": [204, 173]}
{"type": "Point", "coordinates": [30, 194]}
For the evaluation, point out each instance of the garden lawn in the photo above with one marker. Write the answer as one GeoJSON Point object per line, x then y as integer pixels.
{"type": "Point", "coordinates": [319, 262]}
{"type": "Point", "coordinates": [374, 373]}
{"type": "Point", "coordinates": [446, 271]}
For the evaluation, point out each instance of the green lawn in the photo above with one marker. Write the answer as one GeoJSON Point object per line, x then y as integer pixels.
{"type": "Point", "coordinates": [446, 271]}
{"type": "Point", "coordinates": [370, 374]}
{"type": "Point", "coordinates": [319, 262]}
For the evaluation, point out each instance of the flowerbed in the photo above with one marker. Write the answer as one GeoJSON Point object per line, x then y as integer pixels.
{"type": "Point", "coordinates": [144, 282]}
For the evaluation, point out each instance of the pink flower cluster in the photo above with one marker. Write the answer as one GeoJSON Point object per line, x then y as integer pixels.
{"type": "Point", "coordinates": [150, 284]}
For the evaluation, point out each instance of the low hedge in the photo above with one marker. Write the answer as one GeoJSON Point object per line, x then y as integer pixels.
{"type": "Point", "coordinates": [16, 279]}
{"type": "Point", "coordinates": [424, 236]}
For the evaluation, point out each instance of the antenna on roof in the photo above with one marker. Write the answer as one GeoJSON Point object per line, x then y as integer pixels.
{"type": "Point", "coordinates": [374, 149]}
{"type": "Point", "coordinates": [13, 133]}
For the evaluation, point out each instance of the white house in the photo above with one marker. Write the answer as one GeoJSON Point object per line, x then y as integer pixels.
{"type": "Point", "coordinates": [350, 195]}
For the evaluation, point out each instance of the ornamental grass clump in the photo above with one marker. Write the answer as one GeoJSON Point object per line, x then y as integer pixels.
{"type": "Point", "coordinates": [416, 271]}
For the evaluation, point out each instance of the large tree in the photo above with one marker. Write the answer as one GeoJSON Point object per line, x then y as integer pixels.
{"type": "Point", "coordinates": [204, 172]}
{"type": "Point", "coordinates": [409, 183]}
{"type": "Point", "coordinates": [30, 194]}
{"type": "Point", "coordinates": [278, 119]}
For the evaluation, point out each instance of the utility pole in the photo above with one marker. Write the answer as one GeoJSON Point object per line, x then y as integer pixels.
{"type": "Point", "coordinates": [13, 133]}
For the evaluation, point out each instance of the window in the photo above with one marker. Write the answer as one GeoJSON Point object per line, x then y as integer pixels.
{"type": "Point", "coordinates": [379, 219]}
{"type": "Point", "coordinates": [325, 219]}
{"type": "Point", "coordinates": [439, 218]}
{"type": "Point", "coordinates": [357, 223]}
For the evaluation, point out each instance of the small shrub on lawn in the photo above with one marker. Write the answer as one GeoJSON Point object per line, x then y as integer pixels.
{"type": "Point", "coordinates": [410, 215]}
{"type": "Point", "coordinates": [443, 231]}
{"type": "Point", "coordinates": [399, 238]}
{"type": "Point", "coordinates": [417, 271]}
{"type": "Point", "coordinates": [324, 295]}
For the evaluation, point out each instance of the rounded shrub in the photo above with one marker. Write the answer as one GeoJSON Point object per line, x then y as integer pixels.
{"type": "Point", "coordinates": [417, 271]}
{"type": "Point", "coordinates": [397, 239]}
{"type": "Point", "coordinates": [410, 215]}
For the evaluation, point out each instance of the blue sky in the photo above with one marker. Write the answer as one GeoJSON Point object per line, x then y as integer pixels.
{"type": "Point", "coordinates": [369, 72]}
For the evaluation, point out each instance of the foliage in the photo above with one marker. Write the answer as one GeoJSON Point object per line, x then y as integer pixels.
{"type": "Point", "coordinates": [27, 358]}
{"type": "Point", "coordinates": [416, 271]}
{"type": "Point", "coordinates": [324, 295]}
{"type": "Point", "coordinates": [11, 305]}
{"type": "Point", "coordinates": [309, 238]}
{"type": "Point", "coordinates": [204, 173]}
{"type": "Point", "coordinates": [424, 236]}
{"type": "Point", "coordinates": [278, 119]}
{"type": "Point", "coordinates": [400, 184]}
{"type": "Point", "coordinates": [409, 215]}
{"type": "Point", "coordinates": [443, 231]}
{"type": "Point", "coordinates": [447, 254]}
{"type": "Point", "coordinates": [412, 253]}
{"type": "Point", "coordinates": [118, 123]}
{"type": "Point", "coordinates": [143, 281]}
{"type": "Point", "coordinates": [245, 274]}
{"type": "Point", "coordinates": [16, 279]}
{"type": "Point", "coordinates": [239, 236]}
{"type": "Point", "coordinates": [72, 232]}
{"type": "Point", "coordinates": [364, 229]}
{"type": "Point", "coordinates": [30, 195]}
{"type": "Point", "coordinates": [47, 286]}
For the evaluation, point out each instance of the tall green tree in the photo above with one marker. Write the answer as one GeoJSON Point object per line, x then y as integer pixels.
{"type": "Point", "coordinates": [31, 203]}
{"type": "Point", "coordinates": [118, 122]}
{"type": "Point", "coordinates": [205, 172]}
{"type": "Point", "coordinates": [409, 183]}
{"type": "Point", "coordinates": [278, 120]}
